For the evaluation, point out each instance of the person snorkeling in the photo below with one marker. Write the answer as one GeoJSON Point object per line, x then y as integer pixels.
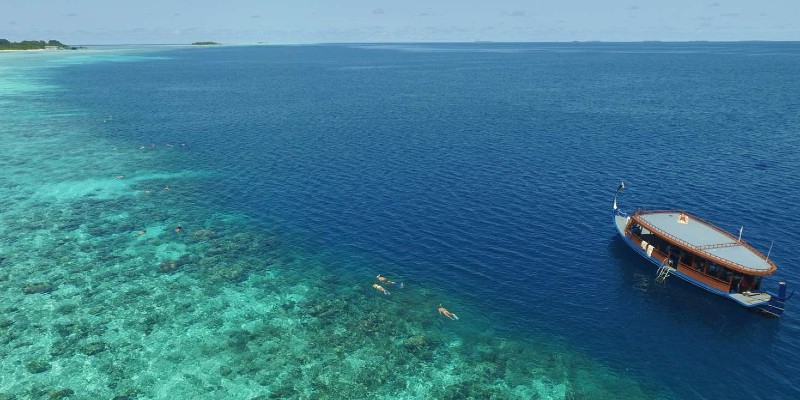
{"type": "Point", "coordinates": [443, 311]}
{"type": "Point", "coordinates": [383, 279]}
{"type": "Point", "coordinates": [381, 288]}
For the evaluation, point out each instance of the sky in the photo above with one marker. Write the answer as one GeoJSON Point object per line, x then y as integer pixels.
{"type": "Point", "coordinates": [78, 22]}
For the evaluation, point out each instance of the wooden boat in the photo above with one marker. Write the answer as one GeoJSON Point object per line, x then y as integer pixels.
{"type": "Point", "coordinates": [697, 251]}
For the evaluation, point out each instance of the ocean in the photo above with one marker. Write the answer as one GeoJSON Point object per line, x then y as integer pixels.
{"type": "Point", "coordinates": [208, 222]}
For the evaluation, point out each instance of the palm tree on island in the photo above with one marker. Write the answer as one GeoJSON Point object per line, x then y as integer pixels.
{"type": "Point", "coordinates": [6, 44]}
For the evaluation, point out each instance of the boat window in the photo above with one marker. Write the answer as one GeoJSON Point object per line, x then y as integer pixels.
{"type": "Point", "coordinates": [736, 283]}
{"type": "Point", "coordinates": [726, 275]}
{"type": "Point", "coordinates": [687, 258]}
{"type": "Point", "coordinates": [749, 283]}
{"type": "Point", "coordinates": [700, 264]}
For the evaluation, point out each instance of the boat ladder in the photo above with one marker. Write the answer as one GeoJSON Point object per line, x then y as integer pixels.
{"type": "Point", "coordinates": [663, 273]}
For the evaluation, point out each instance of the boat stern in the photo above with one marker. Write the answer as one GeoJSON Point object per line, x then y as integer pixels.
{"type": "Point", "coordinates": [777, 302]}
{"type": "Point", "coordinates": [768, 303]}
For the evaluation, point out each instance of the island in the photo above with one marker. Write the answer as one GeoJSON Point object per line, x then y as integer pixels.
{"type": "Point", "coordinates": [205, 43]}
{"type": "Point", "coordinates": [34, 45]}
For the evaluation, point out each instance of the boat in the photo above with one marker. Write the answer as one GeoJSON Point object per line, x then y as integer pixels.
{"type": "Point", "coordinates": [696, 251]}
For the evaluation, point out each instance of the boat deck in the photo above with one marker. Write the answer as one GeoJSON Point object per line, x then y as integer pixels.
{"type": "Point", "coordinates": [752, 299]}
{"type": "Point", "coordinates": [706, 239]}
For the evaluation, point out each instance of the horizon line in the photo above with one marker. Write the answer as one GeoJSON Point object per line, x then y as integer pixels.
{"type": "Point", "coordinates": [477, 41]}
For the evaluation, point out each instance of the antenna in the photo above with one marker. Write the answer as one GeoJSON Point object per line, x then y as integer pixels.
{"type": "Point", "coordinates": [770, 249]}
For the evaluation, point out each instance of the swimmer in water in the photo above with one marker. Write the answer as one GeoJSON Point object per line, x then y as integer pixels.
{"type": "Point", "coordinates": [446, 313]}
{"type": "Point", "coordinates": [383, 279]}
{"type": "Point", "coordinates": [178, 229]}
{"type": "Point", "coordinates": [379, 287]}
{"type": "Point", "coordinates": [140, 233]}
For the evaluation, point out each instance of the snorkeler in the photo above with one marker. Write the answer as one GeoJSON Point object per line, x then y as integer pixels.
{"type": "Point", "coordinates": [379, 287]}
{"type": "Point", "coordinates": [178, 229]}
{"type": "Point", "coordinates": [383, 279]}
{"type": "Point", "coordinates": [446, 313]}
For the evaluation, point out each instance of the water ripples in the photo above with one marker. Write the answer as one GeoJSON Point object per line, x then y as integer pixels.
{"type": "Point", "coordinates": [494, 190]}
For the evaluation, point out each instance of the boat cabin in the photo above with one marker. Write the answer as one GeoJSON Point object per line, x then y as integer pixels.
{"type": "Point", "coordinates": [699, 250]}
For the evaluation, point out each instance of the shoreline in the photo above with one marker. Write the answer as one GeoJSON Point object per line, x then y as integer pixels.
{"type": "Point", "coordinates": [9, 50]}
{"type": "Point", "coordinates": [13, 50]}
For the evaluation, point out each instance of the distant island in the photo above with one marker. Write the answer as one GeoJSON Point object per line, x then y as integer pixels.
{"type": "Point", "coordinates": [205, 43]}
{"type": "Point", "coordinates": [34, 45]}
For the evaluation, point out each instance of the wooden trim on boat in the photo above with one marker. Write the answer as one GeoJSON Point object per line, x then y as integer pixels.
{"type": "Point", "coordinates": [699, 249]}
{"type": "Point", "coordinates": [718, 284]}
{"type": "Point", "coordinates": [709, 280]}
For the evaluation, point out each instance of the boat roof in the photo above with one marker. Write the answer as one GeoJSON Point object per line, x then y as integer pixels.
{"type": "Point", "coordinates": [705, 239]}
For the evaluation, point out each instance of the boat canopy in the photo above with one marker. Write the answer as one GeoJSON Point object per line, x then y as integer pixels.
{"type": "Point", "coordinates": [706, 240]}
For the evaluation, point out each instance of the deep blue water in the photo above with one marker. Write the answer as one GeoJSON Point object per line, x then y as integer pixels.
{"type": "Point", "coordinates": [486, 171]}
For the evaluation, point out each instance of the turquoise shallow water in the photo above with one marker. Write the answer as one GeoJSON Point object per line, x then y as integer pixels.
{"type": "Point", "coordinates": [227, 308]}
{"type": "Point", "coordinates": [299, 173]}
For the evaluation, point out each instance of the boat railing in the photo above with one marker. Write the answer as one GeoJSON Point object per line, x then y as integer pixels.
{"type": "Point", "coordinates": [719, 260]}
{"type": "Point", "coordinates": [717, 246]}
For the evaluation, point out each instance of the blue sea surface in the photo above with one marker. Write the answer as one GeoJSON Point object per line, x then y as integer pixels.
{"type": "Point", "coordinates": [479, 175]}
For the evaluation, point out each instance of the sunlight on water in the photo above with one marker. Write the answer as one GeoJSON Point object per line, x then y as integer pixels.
{"type": "Point", "coordinates": [104, 298]}
{"type": "Point", "coordinates": [135, 265]}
